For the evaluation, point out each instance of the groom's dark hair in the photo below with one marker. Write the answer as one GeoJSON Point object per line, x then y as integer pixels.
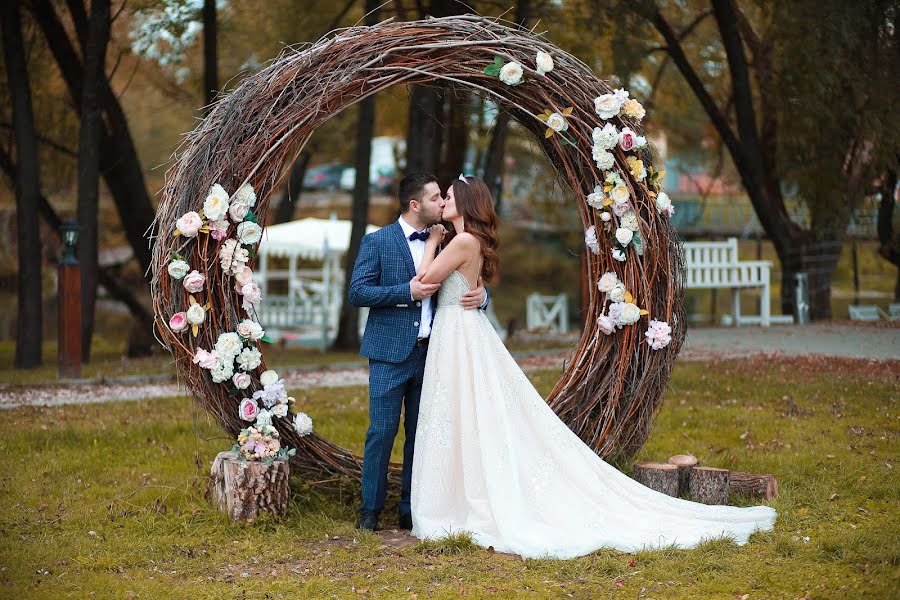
{"type": "Point", "coordinates": [411, 188]}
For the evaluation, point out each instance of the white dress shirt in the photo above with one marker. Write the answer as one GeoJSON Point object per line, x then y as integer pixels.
{"type": "Point", "coordinates": [417, 249]}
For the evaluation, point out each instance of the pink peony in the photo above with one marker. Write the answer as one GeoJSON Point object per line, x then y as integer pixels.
{"type": "Point", "coordinates": [206, 360]}
{"type": "Point", "coordinates": [189, 224]}
{"type": "Point", "coordinates": [606, 324]}
{"type": "Point", "coordinates": [193, 282]}
{"type": "Point", "coordinates": [248, 409]}
{"type": "Point", "coordinates": [178, 322]}
{"type": "Point", "coordinates": [621, 209]}
{"type": "Point", "coordinates": [218, 229]}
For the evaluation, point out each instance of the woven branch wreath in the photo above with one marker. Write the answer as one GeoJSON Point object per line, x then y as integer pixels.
{"type": "Point", "coordinates": [217, 193]}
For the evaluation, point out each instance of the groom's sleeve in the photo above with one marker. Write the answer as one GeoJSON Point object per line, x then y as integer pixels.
{"type": "Point", "coordinates": [364, 289]}
{"type": "Point", "coordinates": [487, 300]}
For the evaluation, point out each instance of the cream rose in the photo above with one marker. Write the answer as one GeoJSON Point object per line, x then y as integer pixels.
{"type": "Point", "coordinates": [633, 109]}
{"type": "Point", "coordinates": [607, 282]}
{"type": "Point", "coordinates": [629, 221]}
{"type": "Point", "coordinates": [189, 224]}
{"type": "Point", "coordinates": [238, 211]}
{"type": "Point", "coordinates": [178, 269]}
{"type": "Point", "coordinates": [618, 255]}
{"type": "Point", "coordinates": [246, 194]}
{"type": "Point", "coordinates": [241, 381]}
{"type": "Point", "coordinates": [624, 235]}
{"type": "Point", "coordinates": [196, 314]}
{"type": "Point", "coordinates": [249, 233]}
{"type": "Point", "coordinates": [557, 122]}
{"type": "Point", "coordinates": [619, 194]}
{"type": "Point", "coordinates": [250, 330]}
{"type": "Point", "coordinates": [605, 217]}
{"type": "Point", "coordinates": [607, 106]}
{"type": "Point", "coordinates": [280, 410]}
{"type": "Point", "coordinates": [617, 293]}
{"type": "Point", "coordinates": [630, 314]}
{"type": "Point", "coordinates": [663, 202]}
{"type": "Point", "coordinates": [268, 377]}
{"type": "Point", "coordinates": [215, 206]}
{"type": "Point", "coordinates": [605, 160]}
{"type": "Point", "coordinates": [511, 73]}
{"type": "Point", "coordinates": [193, 282]}
{"type": "Point", "coordinates": [595, 199]}
{"type": "Point", "coordinates": [544, 63]}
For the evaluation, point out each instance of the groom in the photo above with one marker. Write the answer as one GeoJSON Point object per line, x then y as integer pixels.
{"type": "Point", "coordinates": [396, 337]}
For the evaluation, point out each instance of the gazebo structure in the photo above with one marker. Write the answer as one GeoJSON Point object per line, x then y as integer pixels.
{"type": "Point", "coordinates": [310, 306]}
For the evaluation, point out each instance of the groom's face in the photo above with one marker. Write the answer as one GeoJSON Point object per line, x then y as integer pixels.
{"type": "Point", "coordinates": [432, 204]}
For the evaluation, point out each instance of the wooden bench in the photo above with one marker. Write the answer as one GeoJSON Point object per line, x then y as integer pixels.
{"type": "Point", "coordinates": [715, 265]}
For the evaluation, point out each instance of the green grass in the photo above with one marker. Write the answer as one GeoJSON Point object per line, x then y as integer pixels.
{"type": "Point", "coordinates": [108, 499]}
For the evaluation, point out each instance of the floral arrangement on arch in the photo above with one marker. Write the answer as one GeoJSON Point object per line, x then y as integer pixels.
{"type": "Point", "coordinates": [235, 359]}
{"type": "Point", "coordinates": [611, 198]}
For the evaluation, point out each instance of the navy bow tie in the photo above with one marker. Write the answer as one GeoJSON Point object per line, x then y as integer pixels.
{"type": "Point", "coordinates": [416, 235]}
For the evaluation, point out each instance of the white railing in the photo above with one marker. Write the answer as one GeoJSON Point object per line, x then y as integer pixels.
{"type": "Point", "coordinates": [547, 312]}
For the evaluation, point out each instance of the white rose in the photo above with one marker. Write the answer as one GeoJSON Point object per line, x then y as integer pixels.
{"type": "Point", "coordinates": [629, 221]}
{"type": "Point", "coordinates": [640, 142]}
{"type": "Point", "coordinates": [605, 160]}
{"type": "Point", "coordinates": [607, 282]}
{"type": "Point", "coordinates": [238, 211]}
{"type": "Point", "coordinates": [249, 233]}
{"type": "Point", "coordinates": [607, 137]}
{"type": "Point", "coordinates": [250, 330]}
{"type": "Point", "coordinates": [595, 199]}
{"type": "Point", "coordinates": [268, 377]}
{"type": "Point", "coordinates": [663, 202]}
{"type": "Point", "coordinates": [280, 410]}
{"type": "Point", "coordinates": [189, 224]}
{"type": "Point", "coordinates": [178, 269]}
{"type": "Point", "coordinates": [196, 314]}
{"type": "Point", "coordinates": [194, 281]}
{"type": "Point", "coordinates": [557, 122]}
{"type": "Point", "coordinates": [249, 359]}
{"type": "Point", "coordinates": [619, 194]}
{"type": "Point", "coordinates": [303, 425]}
{"type": "Point", "coordinates": [618, 255]}
{"type": "Point", "coordinates": [605, 217]}
{"type": "Point", "coordinates": [544, 63]}
{"type": "Point", "coordinates": [241, 381]}
{"type": "Point", "coordinates": [617, 293]}
{"type": "Point", "coordinates": [229, 344]}
{"type": "Point", "coordinates": [630, 314]}
{"type": "Point", "coordinates": [607, 106]}
{"type": "Point", "coordinates": [246, 194]}
{"type": "Point", "coordinates": [252, 294]}
{"type": "Point", "coordinates": [216, 204]}
{"type": "Point", "coordinates": [590, 239]}
{"type": "Point", "coordinates": [511, 73]}
{"type": "Point", "coordinates": [623, 235]}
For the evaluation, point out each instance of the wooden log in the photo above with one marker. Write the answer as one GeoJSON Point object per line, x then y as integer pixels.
{"type": "Point", "coordinates": [244, 489]}
{"type": "Point", "coordinates": [657, 476]}
{"type": "Point", "coordinates": [684, 462]}
{"type": "Point", "coordinates": [755, 485]}
{"type": "Point", "coordinates": [709, 485]}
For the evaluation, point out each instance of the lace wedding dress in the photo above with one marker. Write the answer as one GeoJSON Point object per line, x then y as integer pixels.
{"type": "Point", "coordinates": [491, 458]}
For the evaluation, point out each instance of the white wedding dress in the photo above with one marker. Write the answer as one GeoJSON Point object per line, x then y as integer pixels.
{"type": "Point", "coordinates": [492, 459]}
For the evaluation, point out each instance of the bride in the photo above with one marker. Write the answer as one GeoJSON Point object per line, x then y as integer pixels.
{"type": "Point", "coordinates": [492, 459]}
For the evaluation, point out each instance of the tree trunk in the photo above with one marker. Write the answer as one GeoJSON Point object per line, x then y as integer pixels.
{"type": "Point", "coordinates": [761, 486]}
{"type": "Point", "coordinates": [425, 135]}
{"type": "Point", "coordinates": [453, 163]}
{"type": "Point", "coordinates": [709, 485]}
{"type": "Point", "coordinates": [348, 327]}
{"type": "Point", "coordinates": [210, 55]}
{"type": "Point", "coordinates": [818, 259]}
{"type": "Point", "coordinates": [888, 241]}
{"type": "Point", "coordinates": [685, 463]}
{"type": "Point", "coordinates": [89, 165]}
{"type": "Point", "coordinates": [244, 489]}
{"type": "Point", "coordinates": [29, 328]}
{"type": "Point", "coordinates": [292, 190]}
{"type": "Point", "coordinates": [657, 476]}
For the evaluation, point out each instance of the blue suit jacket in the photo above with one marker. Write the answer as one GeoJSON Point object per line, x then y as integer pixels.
{"type": "Point", "coordinates": [380, 281]}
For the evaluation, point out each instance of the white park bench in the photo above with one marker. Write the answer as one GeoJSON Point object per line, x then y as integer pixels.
{"type": "Point", "coordinates": [715, 265]}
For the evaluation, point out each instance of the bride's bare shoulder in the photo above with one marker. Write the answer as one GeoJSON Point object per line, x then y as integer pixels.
{"type": "Point", "coordinates": [465, 240]}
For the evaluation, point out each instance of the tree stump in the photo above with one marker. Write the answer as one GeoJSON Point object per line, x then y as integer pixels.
{"type": "Point", "coordinates": [657, 476]}
{"type": "Point", "coordinates": [684, 462]}
{"type": "Point", "coordinates": [244, 489]}
{"type": "Point", "coordinates": [709, 485]}
{"type": "Point", "coordinates": [755, 485]}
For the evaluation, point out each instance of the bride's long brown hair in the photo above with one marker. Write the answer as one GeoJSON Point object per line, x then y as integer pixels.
{"type": "Point", "coordinates": [476, 206]}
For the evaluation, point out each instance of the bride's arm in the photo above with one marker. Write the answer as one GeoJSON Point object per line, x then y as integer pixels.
{"type": "Point", "coordinates": [435, 269]}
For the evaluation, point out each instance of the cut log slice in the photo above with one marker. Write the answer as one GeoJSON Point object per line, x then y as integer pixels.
{"type": "Point", "coordinates": [244, 489]}
{"type": "Point", "coordinates": [657, 476]}
{"type": "Point", "coordinates": [684, 462]}
{"type": "Point", "coordinates": [754, 485]}
{"type": "Point", "coordinates": [709, 485]}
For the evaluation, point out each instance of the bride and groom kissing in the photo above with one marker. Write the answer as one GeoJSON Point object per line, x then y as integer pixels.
{"type": "Point", "coordinates": [484, 454]}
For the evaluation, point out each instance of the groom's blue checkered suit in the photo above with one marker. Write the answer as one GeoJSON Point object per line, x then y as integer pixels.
{"type": "Point", "coordinates": [380, 281]}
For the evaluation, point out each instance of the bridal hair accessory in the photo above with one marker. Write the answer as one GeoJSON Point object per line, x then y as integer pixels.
{"type": "Point", "coordinates": [463, 179]}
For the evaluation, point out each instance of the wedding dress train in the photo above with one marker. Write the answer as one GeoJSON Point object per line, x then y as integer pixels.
{"type": "Point", "coordinates": [491, 458]}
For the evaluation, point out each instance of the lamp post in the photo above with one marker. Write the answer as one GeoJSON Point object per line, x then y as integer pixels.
{"type": "Point", "coordinates": [68, 361]}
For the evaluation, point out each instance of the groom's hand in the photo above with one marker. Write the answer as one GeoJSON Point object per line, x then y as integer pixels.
{"type": "Point", "coordinates": [474, 299]}
{"type": "Point", "coordinates": [420, 290]}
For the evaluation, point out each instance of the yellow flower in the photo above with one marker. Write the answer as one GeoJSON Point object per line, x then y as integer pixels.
{"type": "Point", "coordinates": [633, 108]}
{"type": "Point", "coordinates": [636, 166]}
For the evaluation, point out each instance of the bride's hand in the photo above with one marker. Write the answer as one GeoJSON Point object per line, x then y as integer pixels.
{"type": "Point", "coordinates": [437, 233]}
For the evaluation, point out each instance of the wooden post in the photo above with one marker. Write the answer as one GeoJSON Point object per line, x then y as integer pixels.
{"type": "Point", "coordinates": [657, 476]}
{"type": "Point", "coordinates": [243, 488]}
{"type": "Point", "coordinates": [68, 363]}
{"type": "Point", "coordinates": [684, 463]}
{"type": "Point", "coordinates": [709, 485]}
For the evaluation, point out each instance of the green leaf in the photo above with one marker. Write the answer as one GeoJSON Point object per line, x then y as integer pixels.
{"type": "Point", "coordinates": [492, 70]}
{"type": "Point", "coordinates": [638, 242]}
{"type": "Point", "coordinates": [251, 217]}
{"type": "Point", "coordinates": [267, 339]}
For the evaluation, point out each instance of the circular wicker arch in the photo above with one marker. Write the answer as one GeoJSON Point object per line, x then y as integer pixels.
{"type": "Point", "coordinates": [612, 386]}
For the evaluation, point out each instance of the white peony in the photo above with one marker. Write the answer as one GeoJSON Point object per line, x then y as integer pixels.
{"type": "Point", "coordinates": [617, 293]}
{"type": "Point", "coordinates": [630, 314]}
{"type": "Point", "coordinates": [238, 211]}
{"type": "Point", "coordinates": [590, 239]}
{"type": "Point", "coordinates": [303, 425]}
{"type": "Point", "coordinates": [607, 106]}
{"type": "Point", "coordinates": [605, 217]}
{"type": "Point", "coordinates": [250, 330]}
{"type": "Point", "coordinates": [232, 257]}
{"type": "Point", "coordinates": [223, 370]}
{"type": "Point", "coordinates": [264, 418]}
{"type": "Point", "coordinates": [229, 344]}
{"type": "Point", "coordinates": [619, 255]}
{"type": "Point", "coordinates": [196, 314]}
{"type": "Point", "coordinates": [216, 204]}
{"type": "Point", "coordinates": [595, 198]}
{"type": "Point", "coordinates": [663, 202]}
{"type": "Point", "coordinates": [280, 410]}
{"type": "Point", "coordinates": [249, 233]}
{"type": "Point", "coordinates": [268, 377]}
{"type": "Point", "coordinates": [619, 194]}
{"type": "Point", "coordinates": [544, 63]}
{"type": "Point", "coordinates": [178, 269]}
{"type": "Point", "coordinates": [511, 73]}
{"type": "Point", "coordinates": [189, 224]}
{"type": "Point", "coordinates": [249, 359]}
{"type": "Point", "coordinates": [605, 160]}
{"type": "Point", "coordinates": [246, 194]}
{"type": "Point", "coordinates": [624, 235]}
{"type": "Point", "coordinates": [557, 122]}
{"type": "Point", "coordinates": [607, 137]}
{"type": "Point", "coordinates": [629, 221]}
{"type": "Point", "coordinates": [621, 95]}
{"type": "Point", "coordinates": [607, 282]}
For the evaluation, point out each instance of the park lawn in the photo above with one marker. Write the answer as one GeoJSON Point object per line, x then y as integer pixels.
{"type": "Point", "coordinates": [106, 500]}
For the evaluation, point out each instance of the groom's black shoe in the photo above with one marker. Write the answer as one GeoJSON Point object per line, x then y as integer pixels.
{"type": "Point", "coordinates": [367, 520]}
{"type": "Point", "coordinates": [405, 521]}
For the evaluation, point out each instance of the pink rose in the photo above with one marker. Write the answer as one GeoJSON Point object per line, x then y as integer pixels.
{"type": "Point", "coordinates": [606, 324]}
{"type": "Point", "coordinates": [238, 211]}
{"type": "Point", "coordinates": [248, 409]}
{"type": "Point", "coordinates": [627, 139]}
{"type": "Point", "coordinates": [244, 276]}
{"type": "Point", "coordinates": [621, 209]}
{"type": "Point", "coordinates": [193, 281]}
{"type": "Point", "coordinates": [178, 322]}
{"type": "Point", "coordinates": [252, 294]}
{"type": "Point", "coordinates": [206, 360]}
{"type": "Point", "coordinates": [189, 224]}
{"type": "Point", "coordinates": [218, 229]}
{"type": "Point", "coordinates": [241, 381]}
